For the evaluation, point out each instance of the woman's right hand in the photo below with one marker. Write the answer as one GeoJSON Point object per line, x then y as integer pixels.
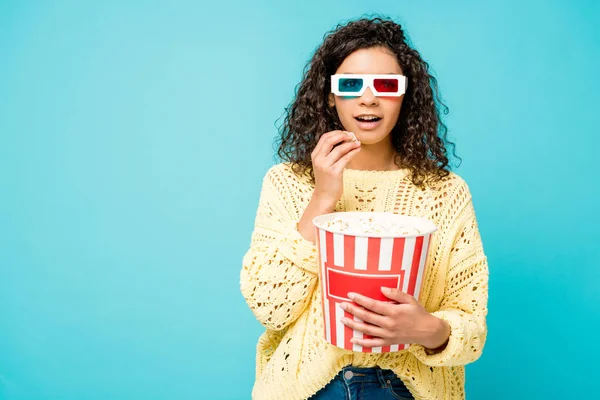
{"type": "Point", "coordinates": [328, 162]}
{"type": "Point", "coordinates": [333, 152]}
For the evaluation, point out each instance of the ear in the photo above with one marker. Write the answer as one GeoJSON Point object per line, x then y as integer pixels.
{"type": "Point", "coordinates": [331, 100]}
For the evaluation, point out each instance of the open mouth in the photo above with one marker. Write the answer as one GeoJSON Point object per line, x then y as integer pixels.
{"type": "Point", "coordinates": [367, 119]}
{"type": "Point", "coordinates": [368, 122]}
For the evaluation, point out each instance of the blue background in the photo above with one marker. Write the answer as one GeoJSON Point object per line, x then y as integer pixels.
{"type": "Point", "coordinates": [131, 157]}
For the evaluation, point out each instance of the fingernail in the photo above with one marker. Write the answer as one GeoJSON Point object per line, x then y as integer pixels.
{"type": "Point", "coordinates": [386, 290]}
{"type": "Point", "coordinates": [344, 306]}
{"type": "Point", "coordinates": [352, 340]}
{"type": "Point", "coordinates": [351, 296]}
{"type": "Point", "coordinates": [344, 320]}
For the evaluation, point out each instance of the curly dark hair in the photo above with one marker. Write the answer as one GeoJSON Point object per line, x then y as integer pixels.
{"type": "Point", "coordinates": [420, 135]}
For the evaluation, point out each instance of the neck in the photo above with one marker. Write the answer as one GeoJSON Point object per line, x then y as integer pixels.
{"type": "Point", "coordinates": [375, 157]}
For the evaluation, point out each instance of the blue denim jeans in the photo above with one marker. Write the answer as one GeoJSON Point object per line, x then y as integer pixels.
{"type": "Point", "coordinates": [364, 384]}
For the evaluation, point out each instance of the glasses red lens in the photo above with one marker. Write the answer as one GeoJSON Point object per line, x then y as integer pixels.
{"type": "Point", "coordinates": [386, 85]}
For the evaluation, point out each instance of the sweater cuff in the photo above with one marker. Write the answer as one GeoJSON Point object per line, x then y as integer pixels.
{"type": "Point", "coordinates": [300, 251]}
{"type": "Point", "coordinates": [454, 348]}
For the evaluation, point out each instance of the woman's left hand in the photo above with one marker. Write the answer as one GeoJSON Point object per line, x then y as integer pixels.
{"type": "Point", "coordinates": [405, 321]}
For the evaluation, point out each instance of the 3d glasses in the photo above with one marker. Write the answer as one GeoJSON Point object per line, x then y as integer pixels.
{"type": "Point", "coordinates": [354, 85]}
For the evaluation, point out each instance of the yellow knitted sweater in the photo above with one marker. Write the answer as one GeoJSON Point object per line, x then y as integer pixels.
{"type": "Point", "coordinates": [279, 281]}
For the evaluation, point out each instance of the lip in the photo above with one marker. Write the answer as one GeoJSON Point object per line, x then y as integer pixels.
{"type": "Point", "coordinates": [367, 115]}
{"type": "Point", "coordinates": [368, 126]}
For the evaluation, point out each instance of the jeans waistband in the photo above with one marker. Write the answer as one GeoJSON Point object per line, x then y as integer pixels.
{"type": "Point", "coordinates": [363, 375]}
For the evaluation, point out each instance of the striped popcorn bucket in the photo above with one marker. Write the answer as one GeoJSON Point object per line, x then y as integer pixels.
{"type": "Point", "coordinates": [365, 263]}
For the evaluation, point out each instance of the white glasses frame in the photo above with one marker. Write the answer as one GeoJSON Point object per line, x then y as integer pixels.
{"type": "Point", "coordinates": [368, 82]}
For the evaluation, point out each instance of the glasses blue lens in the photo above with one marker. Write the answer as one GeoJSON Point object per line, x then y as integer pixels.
{"type": "Point", "coordinates": [350, 85]}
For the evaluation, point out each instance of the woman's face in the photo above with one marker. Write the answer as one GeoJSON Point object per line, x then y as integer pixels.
{"type": "Point", "coordinates": [375, 60]}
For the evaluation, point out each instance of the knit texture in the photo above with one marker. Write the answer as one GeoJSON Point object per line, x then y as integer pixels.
{"type": "Point", "coordinates": [279, 281]}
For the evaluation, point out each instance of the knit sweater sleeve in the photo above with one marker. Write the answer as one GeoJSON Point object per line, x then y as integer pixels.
{"type": "Point", "coordinates": [464, 305]}
{"type": "Point", "coordinates": [279, 270]}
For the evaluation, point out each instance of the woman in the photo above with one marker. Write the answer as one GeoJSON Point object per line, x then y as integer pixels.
{"type": "Point", "coordinates": [364, 134]}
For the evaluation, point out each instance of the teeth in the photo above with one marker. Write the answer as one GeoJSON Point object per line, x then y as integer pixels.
{"type": "Point", "coordinates": [368, 117]}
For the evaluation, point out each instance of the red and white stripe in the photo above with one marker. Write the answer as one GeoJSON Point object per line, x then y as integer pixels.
{"type": "Point", "coordinates": [363, 265]}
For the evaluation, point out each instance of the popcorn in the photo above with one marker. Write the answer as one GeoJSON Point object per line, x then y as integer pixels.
{"type": "Point", "coordinates": [361, 252]}
{"type": "Point", "coordinates": [369, 226]}
{"type": "Point", "coordinates": [353, 136]}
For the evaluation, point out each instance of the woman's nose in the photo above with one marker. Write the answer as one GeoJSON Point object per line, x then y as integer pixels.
{"type": "Point", "coordinates": [368, 98]}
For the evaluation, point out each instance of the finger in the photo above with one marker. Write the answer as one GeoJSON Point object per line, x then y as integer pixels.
{"type": "Point", "coordinates": [330, 141]}
{"type": "Point", "coordinates": [334, 140]}
{"type": "Point", "coordinates": [374, 342]}
{"type": "Point", "coordinates": [340, 151]}
{"type": "Point", "coordinates": [366, 329]}
{"type": "Point", "coordinates": [339, 166]}
{"type": "Point", "coordinates": [365, 315]}
{"type": "Point", "coordinates": [322, 139]}
{"type": "Point", "coordinates": [379, 307]}
{"type": "Point", "coordinates": [398, 296]}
